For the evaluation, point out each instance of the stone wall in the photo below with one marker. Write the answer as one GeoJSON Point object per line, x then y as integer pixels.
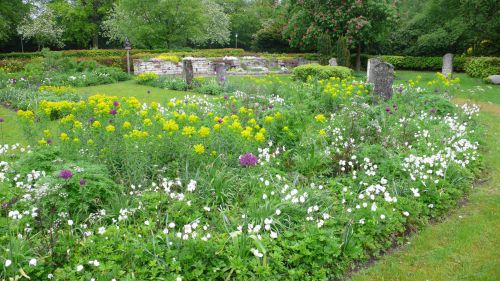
{"type": "Point", "coordinates": [204, 66]}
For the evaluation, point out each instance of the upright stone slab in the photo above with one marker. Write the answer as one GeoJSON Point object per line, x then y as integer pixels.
{"type": "Point", "coordinates": [372, 63]}
{"type": "Point", "coordinates": [383, 75]}
{"type": "Point", "coordinates": [220, 71]}
{"type": "Point", "coordinates": [333, 62]}
{"type": "Point", "coordinates": [447, 65]}
{"type": "Point", "coordinates": [187, 71]}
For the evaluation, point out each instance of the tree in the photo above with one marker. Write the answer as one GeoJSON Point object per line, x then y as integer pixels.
{"type": "Point", "coordinates": [442, 26]}
{"type": "Point", "coordinates": [42, 29]}
{"type": "Point", "coordinates": [360, 21]}
{"type": "Point", "coordinates": [165, 23]}
{"type": "Point", "coordinates": [11, 14]}
{"type": "Point", "coordinates": [82, 20]}
{"type": "Point", "coordinates": [215, 26]}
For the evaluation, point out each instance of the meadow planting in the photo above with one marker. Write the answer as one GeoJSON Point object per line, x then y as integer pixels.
{"type": "Point", "coordinates": [265, 179]}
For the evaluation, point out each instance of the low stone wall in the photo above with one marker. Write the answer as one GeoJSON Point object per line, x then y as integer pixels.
{"type": "Point", "coordinates": [205, 66]}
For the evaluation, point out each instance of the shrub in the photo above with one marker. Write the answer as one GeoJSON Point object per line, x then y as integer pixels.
{"type": "Point", "coordinates": [86, 65]}
{"type": "Point", "coordinates": [320, 72]}
{"type": "Point", "coordinates": [482, 67]}
{"type": "Point", "coordinates": [168, 57]}
{"type": "Point", "coordinates": [343, 54]}
{"type": "Point", "coordinates": [417, 63]}
{"type": "Point", "coordinates": [146, 77]}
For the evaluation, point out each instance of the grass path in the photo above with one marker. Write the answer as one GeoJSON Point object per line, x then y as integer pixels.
{"type": "Point", "coordinates": [10, 131]}
{"type": "Point", "coordinates": [465, 245]}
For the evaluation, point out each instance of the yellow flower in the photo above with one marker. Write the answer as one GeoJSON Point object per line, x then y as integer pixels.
{"type": "Point", "coordinates": [110, 128]}
{"type": "Point", "coordinates": [247, 133]}
{"type": "Point", "coordinates": [322, 132]}
{"type": "Point", "coordinates": [96, 124]}
{"type": "Point", "coordinates": [320, 118]}
{"type": "Point", "coordinates": [42, 142]}
{"type": "Point", "coordinates": [64, 137]}
{"type": "Point", "coordinates": [170, 125]}
{"type": "Point", "coordinates": [148, 122]}
{"type": "Point", "coordinates": [259, 137]}
{"type": "Point", "coordinates": [46, 133]}
{"type": "Point", "coordinates": [193, 118]}
{"type": "Point", "coordinates": [76, 140]}
{"type": "Point", "coordinates": [214, 153]}
{"type": "Point", "coordinates": [188, 131]}
{"type": "Point", "coordinates": [77, 124]}
{"type": "Point", "coordinates": [90, 142]}
{"type": "Point", "coordinates": [204, 131]}
{"type": "Point", "coordinates": [126, 125]}
{"type": "Point", "coordinates": [268, 119]}
{"type": "Point", "coordinates": [199, 148]}
{"type": "Point", "coordinates": [217, 127]}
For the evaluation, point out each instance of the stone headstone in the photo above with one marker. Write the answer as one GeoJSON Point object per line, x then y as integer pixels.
{"type": "Point", "coordinates": [332, 62]}
{"type": "Point", "coordinates": [187, 71]}
{"type": "Point", "coordinates": [494, 79]}
{"type": "Point", "coordinates": [370, 67]}
{"type": "Point", "coordinates": [447, 65]}
{"type": "Point", "coordinates": [383, 76]}
{"type": "Point", "coordinates": [220, 71]}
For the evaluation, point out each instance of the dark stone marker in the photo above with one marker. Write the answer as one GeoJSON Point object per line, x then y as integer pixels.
{"type": "Point", "coordinates": [220, 70]}
{"type": "Point", "coordinates": [187, 71]}
{"type": "Point", "coordinates": [447, 65]}
{"type": "Point", "coordinates": [383, 76]}
{"type": "Point", "coordinates": [369, 68]}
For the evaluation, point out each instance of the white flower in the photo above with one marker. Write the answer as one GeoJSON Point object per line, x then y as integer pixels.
{"type": "Point", "coordinates": [79, 268]}
{"type": "Point", "coordinates": [382, 216]}
{"type": "Point", "coordinates": [405, 213]}
{"type": "Point", "coordinates": [171, 225]}
{"type": "Point", "coordinates": [70, 222]}
{"type": "Point", "coordinates": [179, 278]}
{"type": "Point", "coordinates": [50, 276]}
{"type": "Point", "coordinates": [101, 230]}
{"type": "Point", "coordinates": [8, 263]}
{"type": "Point", "coordinates": [274, 235]}
{"type": "Point", "coordinates": [278, 212]}
{"type": "Point", "coordinates": [32, 262]}
{"type": "Point", "coordinates": [146, 222]}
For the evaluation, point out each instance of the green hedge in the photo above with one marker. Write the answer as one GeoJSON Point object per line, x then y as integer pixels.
{"type": "Point", "coordinates": [483, 67]}
{"type": "Point", "coordinates": [417, 63]}
{"type": "Point", "coordinates": [320, 72]}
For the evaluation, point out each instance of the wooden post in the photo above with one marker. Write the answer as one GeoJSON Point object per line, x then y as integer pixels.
{"type": "Point", "coordinates": [128, 62]}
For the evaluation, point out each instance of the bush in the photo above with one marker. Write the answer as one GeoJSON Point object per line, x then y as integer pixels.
{"type": "Point", "coordinates": [343, 54]}
{"type": "Point", "coordinates": [320, 72]}
{"type": "Point", "coordinates": [483, 67]}
{"type": "Point", "coordinates": [146, 77]}
{"type": "Point", "coordinates": [168, 57]}
{"type": "Point", "coordinates": [416, 63]}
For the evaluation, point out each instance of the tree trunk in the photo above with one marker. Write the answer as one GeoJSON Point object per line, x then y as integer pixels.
{"type": "Point", "coordinates": [95, 41]}
{"type": "Point", "coordinates": [358, 58]}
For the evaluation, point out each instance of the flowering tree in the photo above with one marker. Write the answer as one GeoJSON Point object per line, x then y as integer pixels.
{"type": "Point", "coordinates": [360, 21]}
{"type": "Point", "coordinates": [43, 29]}
{"type": "Point", "coordinates": [215, 26]}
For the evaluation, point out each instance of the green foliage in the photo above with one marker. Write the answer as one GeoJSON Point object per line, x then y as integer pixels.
{"type": "Point", "coordinates": [325, 48]}
{"type": "Point", "coordinates": [316, 71]}
{"type": "Point", "coordinates": [343, 54]}
{"type": "Point", "coordinates": [482, 67]}
{"type": "Point", "coordinates": [442, 26]}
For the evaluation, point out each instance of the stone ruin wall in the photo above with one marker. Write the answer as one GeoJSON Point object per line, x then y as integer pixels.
{"type": "Point", "coordinates": [204, 66]}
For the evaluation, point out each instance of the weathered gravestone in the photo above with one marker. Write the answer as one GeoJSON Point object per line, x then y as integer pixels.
{"type": "Point", "coordinates": [220, 70]}
{"type": "Point", "coordinates": [494, 79]}
{"type": "Point", "coordinates": [447, 65]}
{"type": "Point", "coordinates": [383, 76]}
{"type": "Point", "coordinates": [370, 67]}
{"type": "Point", "coordinates": [187, 71]}
{"type": "Point", "coordinates": [333, 62]}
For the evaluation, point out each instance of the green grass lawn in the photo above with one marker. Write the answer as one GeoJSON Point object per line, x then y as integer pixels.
{"type": "Point", "coordinates": [10, 131]}
{"type": "Point", "coordinates": [131, 88]}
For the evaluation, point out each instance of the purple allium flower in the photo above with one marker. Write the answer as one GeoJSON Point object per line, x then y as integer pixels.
{"type": "Point", "coordinates": [436, 90]}
{"type": "Point", "coordinates": [222, 78]}
{"type": "Point", "coordinates": [388, 109]}
{"type": "Point", "coordinates": [91, 120]}
{"type": "Point", "coordinates": [220, 120]}
{"type": "Point", "coordinates": [83, 182]}
{"type": "Point", "coordinates": [271, 106]}
{"type": "Point", "coordinates": [116, 103]}
{"type": "Point", "coordinates": [110, 121]}
{"type": "Point", "coordinates": [248, 159]}
{"type": "Point", "coordinates": [226, 97]}
{"type": "Point", "coordinates": [395, 105]}
{"type": "Point", "coordinates": [5, 204]}
{"type": "Point", "coordinates": [66, 174]}
{"type": "Point", "coordinates": [400, 89]}
{"type": "Point", "coordinates": [112, 112]}
{"type": "Point", "coordinates": [1, 120]}
{"type": "Point", "coordinates": [49, 141]}
{"type": "Point", "coordinates": [433, 110]}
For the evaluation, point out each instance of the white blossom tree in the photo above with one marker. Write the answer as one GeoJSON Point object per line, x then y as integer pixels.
{"type": "Point", "coordinates": [43, 29]}
{"type": "Point", "coordinates": [215, 25]}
